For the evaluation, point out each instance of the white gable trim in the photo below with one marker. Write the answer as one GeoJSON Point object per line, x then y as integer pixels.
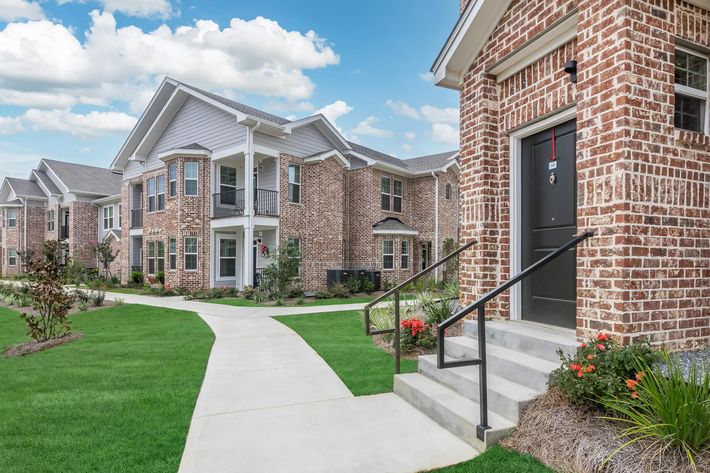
{"type": "Point", "coordinates": [173, 153]}
{"type": "Point", "coordinates": [395, 232]}
{"type": "Point", "coordinates": [560, 33]}
{"type": "Point", "coordinates": [337, 155]}
{"type": "Point", "coordinates": [325, 127]}
{"type": "Point", "coordinates": [167, 113]}
{"type": "Point", "coordinates": [470, 34]}
{"type": "Point", "coordinates": [112, 232]}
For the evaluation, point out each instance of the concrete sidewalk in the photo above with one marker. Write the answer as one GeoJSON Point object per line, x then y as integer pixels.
{"type": "Point", "coordinates": [269, 403]}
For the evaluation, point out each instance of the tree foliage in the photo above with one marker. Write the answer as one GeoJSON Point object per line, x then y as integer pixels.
{"type": "Point", "coordinates": [279, 276]}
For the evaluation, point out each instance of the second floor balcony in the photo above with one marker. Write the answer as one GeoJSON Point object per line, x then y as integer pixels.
{"type": "Point", "coordinates": [233, 204]}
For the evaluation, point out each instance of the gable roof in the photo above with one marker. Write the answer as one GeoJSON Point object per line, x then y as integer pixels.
{"type": "Point", "coordinates": [25, 188]}
{"type": "Point", "coordinates": [46, 181]}
{"type": "Point", "coordinates": [393, 226]}
{"type": "Point", "coordinates": [431, 162]}
{"type": "Point", "coordinates": [83, 179]}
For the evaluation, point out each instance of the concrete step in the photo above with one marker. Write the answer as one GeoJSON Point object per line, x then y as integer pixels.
{"type": "Point", "coordinates": [505, 397]}
{"type": "Point", "coordinates": [524, 369]}
{"type": "Point", "coordinates": [449, 409]}
{"type": "Point", "coordinates": [541, 341]}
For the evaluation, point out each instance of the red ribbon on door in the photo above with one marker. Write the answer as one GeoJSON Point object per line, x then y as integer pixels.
{"type": "Point", "coordinates": [553, 156]}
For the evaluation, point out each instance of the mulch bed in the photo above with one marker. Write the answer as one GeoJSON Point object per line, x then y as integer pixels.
{"type": "Point", "coordinates": [74, 308]}
{"type": "Point", "coordinates": [34, 347]}
{"type": "Point", "coordinates": [572, 438]}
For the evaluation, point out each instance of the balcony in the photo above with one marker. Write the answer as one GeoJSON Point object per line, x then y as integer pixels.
{"type": "Point", "coordinates": [232, 204]}
{"type": "Point", "coordinates": [137, 218]}
{"type": "Point", "coordinates": [63, 232]}
{"type": "Point", "coordinates": [266, 203]}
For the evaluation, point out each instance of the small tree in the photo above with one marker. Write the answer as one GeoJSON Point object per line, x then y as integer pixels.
{"type": "Point", "coordinates": [50, 300]}
{"type": "Point", "coordinates": [279, 275]}
{"type": "Point", "coordinates": [105, 256]}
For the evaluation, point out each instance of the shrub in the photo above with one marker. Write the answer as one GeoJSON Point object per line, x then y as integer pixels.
{"type": "Point", "coordinates": [354, 285]}
{"type": "Point", "coordinates": [9, 299]}
{"type": "Point", "coordinates": [279, 300]}
{"type": "Point", "coordinates": [20, 277]}
{"type": "Point", "coordinates": [83, 306]}
{"type": "Point", "coordinates": [23, 300]}
{"type": "Point", "coordinates": [600, 368]}
{"type": "Point", "coordinates": [381, 318]}
{"type": "Point", "coordinates": [300, 301]}
{"type": "Point", "coordinates": [249, 293]}
{"type": "Point", "coordinates": [297, 291]}
{"type": "Point", "coordinates": [323, 295]}
{"type": "Point", "coordinates": [368, 286]}
{"type": "Point", "coordinates": [340, 291]}
{"type": "Point", "coordinates": [105, 256]}
{"type": "Point", "coordinates": [119, 301]}
{"type": "Point", "coordinates": [161, 277]}
{"type": "Point", "coordinates": [278, 277]}
{"type": "Point", "coordinates": [436, 310]}
{"type": "Point", "coordinates": [81, 296]}
{"type": "Point", "coordinates": [50, 300]}
{"type": "Point", "coordinates": [98, 297]}
{"type": "Point", "coordinates": [415, 333]}
{"type": "Point", "coordinates": [137, 278]}
{"type": "Point", "coordinates": [660, 404]}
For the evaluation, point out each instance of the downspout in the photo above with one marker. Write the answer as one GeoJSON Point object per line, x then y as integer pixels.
{"type": "Point", "coordinates": [24, 225]}
{"type": "Point", "coordinates": [436, 222]}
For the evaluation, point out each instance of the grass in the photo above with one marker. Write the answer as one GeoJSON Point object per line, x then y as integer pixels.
{"type": "Point", "coordinates": [339, 338]}
{"type": "Point", "coordinates": [119, 399]}
{"type": "Point", "coordinates": [498, 460]}
{"type": "Point", "coordinates": [239, 302]}
{"type": "Point", "coordinates": [130, 290]}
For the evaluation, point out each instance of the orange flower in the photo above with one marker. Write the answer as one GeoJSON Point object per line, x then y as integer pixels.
{"type": "Point", "coordinates": [631, 384]}
{"type": "Point", "coordinates": [634, 395]}
{"type": "Point", "coordinates": [575, 367]}
{"type": "Point", "coordinates": [639, 376]}
{"type": "Point", "coordinates": [591, 369]}
{"type": "Point", "coordinates": [590, 357]}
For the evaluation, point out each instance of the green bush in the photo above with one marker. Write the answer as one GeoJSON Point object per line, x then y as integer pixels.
{"type": "Point", "coordinates": [300, 300]}
{"type": "Point", "coordinates": [660, 404]}
{"type": "Point", "coordinates": [161, 277]}
{"type": "Point", "coordinates": [354, 285]}
{"type": "Point", "coordinates": [599, 369]}
{"type": "Point", "coordinates": [98, 297]}
{"type": "Point", "coordinates": [137, 278]}
{"type": "Point", "coordinates": [20, 277]}
{"type": "Point", "coordinates": [323, 295]}
{"type": "Point", "coordinates": [249, 293]}
{"type": "Point", "coordinates": [381, 318]}
{"type": "Point", "coordinates": [436, 310]}
{"type": "Point", "coordinates": [23, 300]}
{"type": "Point", "coordinates": [282, 272]}
{"type": "Point", "coordinates": [340, 291]}
{"type": "Point", "coordinates": [368, 286]}
{"type": "Point", "coordinates": [297, 291]}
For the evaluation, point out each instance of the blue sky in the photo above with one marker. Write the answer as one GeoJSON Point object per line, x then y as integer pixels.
{"type": "Point", "coordinates": [76, 74]}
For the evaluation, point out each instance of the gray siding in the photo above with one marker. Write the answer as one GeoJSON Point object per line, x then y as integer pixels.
{"type": "Point", "coordinates": [197, 122]}
{"type": "Point", "coordinates": [132, 169]}
{"type": "Point", "coordinates": [267, 176]}
{"type": "Point", "coordinates": [304, 141]}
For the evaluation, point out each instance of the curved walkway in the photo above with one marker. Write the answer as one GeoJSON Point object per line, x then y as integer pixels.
{"type": "Point", "coordinates": [269, 403]}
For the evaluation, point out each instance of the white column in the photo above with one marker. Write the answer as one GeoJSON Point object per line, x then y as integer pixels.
{"type": "Point", "coordinates": [248, 256]}
{"type": "Point", "coordinates": [249, 211]}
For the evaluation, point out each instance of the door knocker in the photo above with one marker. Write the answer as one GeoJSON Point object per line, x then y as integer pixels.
{"type": "Point", "coordinates": [553, 178]}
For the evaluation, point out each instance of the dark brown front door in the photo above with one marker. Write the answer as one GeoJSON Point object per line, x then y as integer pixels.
{"type": "Point", "coordinates": [549, 220]}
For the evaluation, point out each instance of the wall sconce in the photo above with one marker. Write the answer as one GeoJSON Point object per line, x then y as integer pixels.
{"type": "Point", "coordinates": [571, 69]}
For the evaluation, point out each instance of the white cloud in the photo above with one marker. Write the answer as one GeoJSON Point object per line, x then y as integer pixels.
{"type": "Point", "coordinates": [407, 147]}
{"type": "Point", "coordinates": [11, 10]}
{"type": "Point", "coordinates": [10, 125]}
{"type": "Point", "coordinates": [36, 99]}
{"type": "Point", "coordinates": [18, 164]}
{"type": "Point", "coordinates": [410, 135]}
{"type": "Point", "coordinates": [403, 109]}
{"type": "Point", "coordinates": [87, 125]}
{"type": "Point", "coordinates": [367, 128]}
{"type": "Point", "coordinates": [334, 111]}
{"type": "Point", "coordinates": [434, 114]}
{"type": "Point", "coordinates": [255, 56]}
{"type": "Point", "coordinates": [427, 76]}
{"type": "Point", "coordinates": [144, 8]}
{"type": "Point", "coordinates": [445, 133]}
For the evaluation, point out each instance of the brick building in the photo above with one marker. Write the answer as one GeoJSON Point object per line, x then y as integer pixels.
{"type": "Point", "coordinates": [212, 187]}
{"type": "Point", "coordinates": [623, 152]}
{"type": "Point", "coordinates": [56, 202]}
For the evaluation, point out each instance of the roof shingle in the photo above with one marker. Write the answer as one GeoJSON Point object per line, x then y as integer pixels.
{"type": "Point", "coordinates": [86, 179]}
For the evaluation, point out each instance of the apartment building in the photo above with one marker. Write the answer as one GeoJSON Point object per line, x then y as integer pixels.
{"type": "Point", "coordinates": [211, 187]}
{"type": "Point", "coordinates": [56, 202]}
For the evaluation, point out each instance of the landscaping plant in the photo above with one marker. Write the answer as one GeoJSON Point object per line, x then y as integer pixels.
{"type": "Point", "coordinates": [368, 287]}
{"type": "Point", "coordinates": [599, 369]}
{"type": "Point", "coordinates": [436, 310]}
{"type": "Point", "coordinates": [339, 291]}
{"type": "Point", "coordinates": [416, 333]}
{"type": "Point", "coordinates": [354, 285]}
{"type": "Point", "coordinates": [280, 275]}
{"type": "Point", "coordinates": [105, 256]}
{"type": "Point", "coordinates": [660, 404]}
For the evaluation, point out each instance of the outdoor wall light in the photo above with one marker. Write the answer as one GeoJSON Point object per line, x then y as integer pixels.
{"type": "Point", "coordinates": [571, 69]}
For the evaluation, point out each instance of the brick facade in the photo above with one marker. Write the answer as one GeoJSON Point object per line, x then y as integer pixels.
{"type": "Point", "coordinates": [83, 232]}
{"type": "Point", "coordinates": [643, 186]}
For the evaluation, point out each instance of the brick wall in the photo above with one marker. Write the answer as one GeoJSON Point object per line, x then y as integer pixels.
{"type": "Point", "coordinates": [14, 237]}
{"type": "Point", "coordinates": [643, 187]}
{"type": "Point", "coordinates": [83, 232]}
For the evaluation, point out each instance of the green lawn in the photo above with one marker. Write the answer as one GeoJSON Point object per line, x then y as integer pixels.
{"type": "Point", "coordinates": [130, 290]}
{"type": "Point", "coordinates": [119, 399]}
{"type": "Point", "coordinates": [239, 302]}
{"type": "Point", "coordinates": [498, 460]}
{"type": "Point", "coordinates": [339, 338]}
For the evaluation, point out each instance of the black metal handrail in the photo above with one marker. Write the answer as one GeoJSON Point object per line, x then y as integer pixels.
{"type": "Point", "coordinates": [480, 307]}
{"type": "Point", "coordinates": [396, 291]}
{"type": "Point", "coordinates": [137, 218]}
{"type": "Point", "coordinates": [266, 202]}
{"type": "Point", "coordinates": [228, 203]}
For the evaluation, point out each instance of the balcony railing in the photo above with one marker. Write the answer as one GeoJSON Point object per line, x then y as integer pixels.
{"type": "Point", "coordinates": [266, 202]}
{"type": "Point", "coordinates": [137, 218]}
{"type": "Point", "coordinates": [228, 203]}
{"type": "Point", "coordinates": [63, 232]}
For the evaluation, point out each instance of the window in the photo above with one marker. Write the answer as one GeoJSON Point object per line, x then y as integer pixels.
{"type": "Point", "coordinates": [295, 243]}
{"type": "Point", "coordinates": [191, 254]}
{"type": "Point", "coordinates": [385, 193]}
{"type": "Point", "coordinates": [388, 254]}
{"type": "Point", "coordinates": [12, 257]}
{"type": "Point", "coordinates": [227, 185]}
{"type": "Point", "coordinates": [191, 171]}
{"type": "Point", "coordinates": [108, 217]}
{"type": "Point", "coordinates": [691, 91]}
{"type": "Point", "coordinates": [50, 220]}
{"type": "Point", "coordinates": [447, 191]}
{"type": "Point", "coordinates": [172, 180]}
{"type": "Point", "coordinates": [12, 218]}
{"type": "Point", "coordinates": [119, 215]}
{"type": "Point", "coordinates": [160, 250]}
{"type": "Point", "coordinates": [405, 254]}
{"type": "Point", "coordinates": [294, 183]}
{"type": "Point", "coordinates": [172, 254]}
{"type": "Point", "coordinates": [227, 258]}
{"type": "Point", "coordinates": [161, 192]}
{"type": "Point", "coordinates": [151, 257]}
{"type": "Point", "coordinates": [151, 195]}
{"type": "Point", "coordinates": [397, 195]}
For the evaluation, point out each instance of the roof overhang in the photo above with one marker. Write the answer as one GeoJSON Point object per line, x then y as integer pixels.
{"type": "Point", "coordinates": [188, 153]}
{"type": "Point", "coordinates": [465, 42]}
{"type": "Point", "coordinates": [395, 232]}
{"type": "Point", "coordinates": [325, 127]}
{"type": "Point", "coordinates": [335, 154]}
{"type": "Point", "coordinates": [112, 233]}
{"type": "Point", "coordinates": [112, 199]}
{"type": "Point", "coordinates": [701, 3]}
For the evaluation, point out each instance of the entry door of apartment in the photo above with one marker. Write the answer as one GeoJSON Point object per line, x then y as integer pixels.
{"type": "Point", "coordinates": [549, 220]}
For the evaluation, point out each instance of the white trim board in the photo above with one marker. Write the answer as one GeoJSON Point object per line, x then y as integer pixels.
{"type": "Point", "coordinates": [515, 224]}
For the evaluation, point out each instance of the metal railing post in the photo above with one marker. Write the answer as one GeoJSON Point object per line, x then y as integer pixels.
{"type": "Point", "coordinates": [482, 377]}
{"type": "Point", "coordinates": [397, 333]}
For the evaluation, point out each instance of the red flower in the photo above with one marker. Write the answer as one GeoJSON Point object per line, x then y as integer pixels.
{"type": "Point", "coordinates": [634, 395]}
{"type": "Point", "coordinates": [631, 384]}
{"type": "Point", "coordinates": [591, 369]}
{"type": "Point", "coordinates": [600, 347]}
{"type": "Point", "coordinates": [639, 375]}
{"type": "Point", "coordinates": [590, 357]}
{"type": "Point", "coordinates": [583, 345]}
{"type": "Point", "coordinates": [602, 337]}
{"type": "Point", "coordinates": [580, 374]}
{"type": "Point", "coordinates": [575, 367]}
{"type": "Point", "coordinates": [416, 326]}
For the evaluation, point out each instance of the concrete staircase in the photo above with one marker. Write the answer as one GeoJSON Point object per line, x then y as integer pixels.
{"type": "Point", "coordinates": [520, 358]}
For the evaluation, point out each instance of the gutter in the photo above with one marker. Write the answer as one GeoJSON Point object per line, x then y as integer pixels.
{"type": "Point", "coordinates": [436, 222]}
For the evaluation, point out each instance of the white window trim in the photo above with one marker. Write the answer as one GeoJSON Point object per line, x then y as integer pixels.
{"type": "Point", "coordinates": [8, 257]}
{"type": "Point", "coordinates": [51, 220]}
{"type": "Point", "coordinates": [394, 264]}
{"type": "Point", "coordinates": [196, 179]}
{"type": "Point", "coordinates": [9, 219]}
{"type": "Point", "coordinates": [218, 276]}
{"type": "Point", "coordinates": [107, 219]}
{"type": "Point", "coordinates": [170, 181]}
{"type": "Point", "coordinates": [158, 193]}
{"type": "Point", "coordinates": [403, 254]}
{"type": "Point", "coordinates": [171, 254]}
{"type": "Point", "coordinates": [154, 195]}
{"type": "Point", "coordinates": [294, 183]}
{"type": "Point", "coordinates": [697, 93]}
{"type": "Point", "coordinates": [185, 254]}
{"type": "Point", "coordinates": [221, 184]}
{"type": "Point", "coordinates": [395, 196]}
{"type": "Point", "coordinates": [154, 258]}
{"type": "Point", "coordinates": [158, 257]}
{"type": "Point", "coordinates": [389, 195]}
